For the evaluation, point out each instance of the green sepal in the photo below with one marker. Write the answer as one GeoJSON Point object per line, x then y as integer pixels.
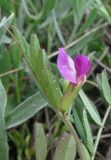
{"type": "Point", "coordinates": [69, 97]}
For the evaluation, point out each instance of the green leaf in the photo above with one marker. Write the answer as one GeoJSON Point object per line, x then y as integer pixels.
{"type": "Point", "coordinates": [25, 110]}
{"type": "Point", "coordinates": [66, 149]}
{"type": "Point", "coordinates": [40, 142]}
{"type": "Point", "coordinates": [4, 25]}
{"type": "Point", "coordinates": [37, 61]}
{"type": "Point", "coordinates": [48, 6]}
{"type": "Point", "coordinates": [61, 11]}
{"type": "Point", "coordinates": [89, 21]}
{"type": "Point", "coordinates": [82, 43]}
{"type": "Point", "coordinates": [101, 8]}
{"type": "Point", "coordinates": [24, 46]}
{"type": "Point", "coordinates": [82, 125]}
{"type": "Point", "coordinates": [36, 17]}
{"type": "Point", "coordinates": [5, 65]}
{"type": "Point", "coordinates": [78, 121]}
{"type": "Point", "coordinates": [86, 153]}
{"type": "Point", "coordinates": [3, 99]}
{"type": "Point", "coordinates": [5, 39]}
{"type": "Point", "coordinates": [5, 5]}
{"type": "Point", "coordinates": [34, 47]}
{"type": "Point", "coordinates": [41, 69]}
{"type": "Point", "coordinates": [79, 9]}
{"type": "Point", "coordinates": [3, 134]}
{"type": "Point", "coordinates": [47, 80]}
{"type": "Point", "coordinates": [106, 87]}
{"type": "Point", "coordinates": [17, 138]}
{"type": "Point", "coordinates": [57, 28]}
{"type": "Point", "coordinates": [88, 104]}
{"type": "Point", "coordinates": [89, 143]}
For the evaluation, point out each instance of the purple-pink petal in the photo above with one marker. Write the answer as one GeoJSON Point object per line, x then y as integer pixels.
{"type": "Point", "coordinates": [82, 65]}
{"type": "Point", "coordinates": [66, 66]}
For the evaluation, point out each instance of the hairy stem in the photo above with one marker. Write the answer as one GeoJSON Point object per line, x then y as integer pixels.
{"type": "Point", "coordinates": [73, 132]}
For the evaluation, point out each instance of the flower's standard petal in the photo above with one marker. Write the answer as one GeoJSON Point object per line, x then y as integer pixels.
{"type": "Point", "coordinates": [82, 64]}
{"type": "Point", "coordinates": [66, 66]}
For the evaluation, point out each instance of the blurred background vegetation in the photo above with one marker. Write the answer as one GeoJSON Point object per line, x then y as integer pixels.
{"type": "Point", "coordinates": [78, 25]}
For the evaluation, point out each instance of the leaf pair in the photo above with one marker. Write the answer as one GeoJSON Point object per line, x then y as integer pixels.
{"type": "Point", "coordinates": [85, 106]}
{"type": "Point", "coordinates": [38, 63]}
{"type": "Point", "coordinates": [82, 125]}
{"type": "Point", "coordinates": [91, 109]}
{"type": "Point", "coordinates": [65, 150]}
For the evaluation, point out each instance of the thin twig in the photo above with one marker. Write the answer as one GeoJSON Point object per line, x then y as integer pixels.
{"type": "Point", "coordinates": [100, 131]}
{"type": "Point", "coordinates": [49, 128]}
{"type": "Point", "coordinates": [103, 65]}
{"type": "Point", "coordinates": [11, 34]}
{"type": "Point", "coordinates": [104, 136]}
{"type": "Point", "coordinates": [82, 37]}
{"type": "Point", "coordinates": [101, 156]}
{"type": "Point", "coordinates": [11, 71]}
{"type": "Point", "coordinates": [91, 82]}
{"type": "Point", "coordinates": [100, 59]}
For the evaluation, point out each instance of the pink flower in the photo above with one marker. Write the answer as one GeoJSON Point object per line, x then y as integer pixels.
{"type": "Point", "coordinates": [73, 70]}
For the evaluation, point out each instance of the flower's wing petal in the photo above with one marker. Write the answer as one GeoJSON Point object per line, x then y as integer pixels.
{"type": "Point", "coordinates": [82, 64]}
{"type": "Point", "coordinates": [66, 66]}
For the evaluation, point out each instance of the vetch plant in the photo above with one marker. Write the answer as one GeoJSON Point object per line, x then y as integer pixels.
{"type": "Point", "coordinates": [60, 95]}
{"type": "Point", "coordinates": [64, 96]}
{"type": "Point", "coordinates": [61, 100]}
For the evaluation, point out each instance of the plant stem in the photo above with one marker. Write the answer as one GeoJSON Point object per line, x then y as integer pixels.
{"type": "Point", "coordinates": [73, 132]}
{"type": "Point", "coordinates": [100, 132]}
